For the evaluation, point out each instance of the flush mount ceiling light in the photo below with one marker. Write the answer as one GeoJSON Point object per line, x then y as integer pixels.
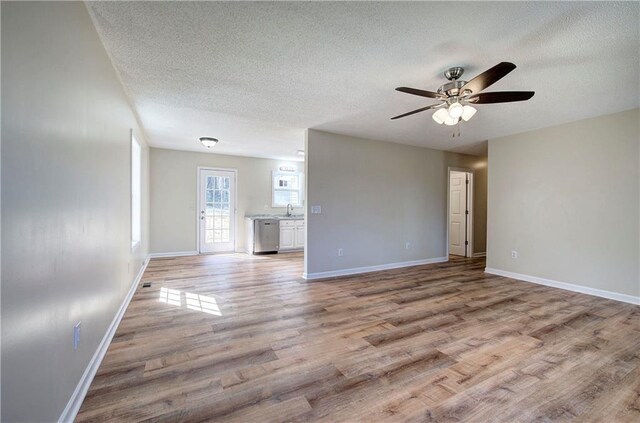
{"type": "Point", "coordinates": [208, 141]}
{"type": "Point", "coordinates": [455, 96]}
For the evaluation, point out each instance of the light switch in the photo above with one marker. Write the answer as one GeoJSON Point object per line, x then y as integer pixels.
{"type": "Point", "coordinates": [316, 209]}
{"type": "Point", "coordinates": [76, 335]}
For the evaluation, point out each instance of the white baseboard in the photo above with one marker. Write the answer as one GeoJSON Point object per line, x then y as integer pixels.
{"type": "Point", "coordinates": [73, 406]}
{"type": "Point", "coordinates": [479, 254]}
{"type": "Point", "coordinates": [367, 269]}
{"type": "Point", "coordinates": [291, 250]}
{"type": "Point", "coordinates": [567, 286]}
{"type": "Point", "coordinates": [174, 254]}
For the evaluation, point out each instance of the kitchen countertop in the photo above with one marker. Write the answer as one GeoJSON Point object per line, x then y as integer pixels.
{"type": "Point", "coordinates": [275, 216]}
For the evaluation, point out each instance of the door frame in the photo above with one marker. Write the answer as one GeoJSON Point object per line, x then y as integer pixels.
{"type": "Point", "coordinates": [469, 222]}
{"type": "Point", "coordinates": [235, 206]}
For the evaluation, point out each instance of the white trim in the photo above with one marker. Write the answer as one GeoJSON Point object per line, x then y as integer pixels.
{"type": "Point", "coordinates": [73, 406]}
{"type": "Point", "coordinates": [174, 254]}
{"type": "Point", "coordinates": [235, 204]}
{"type": "Point", "coordinates": [290, 250]}
{"type": "Point", "coordinates": [469, 192]}
{"type": "Point", "coordinates": [566, 286]}
{"type": "Point", "coordinates": [483, 254]}
{"type": "Point", "coordinates": [469, 218]}
{"type": "Point", "coordinates": [367, 269]}
{"type": "Point", "coordinates": [135, 238]}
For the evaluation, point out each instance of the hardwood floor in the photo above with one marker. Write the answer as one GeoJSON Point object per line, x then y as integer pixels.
{"type": "Point", "coordinates": [239, 338]}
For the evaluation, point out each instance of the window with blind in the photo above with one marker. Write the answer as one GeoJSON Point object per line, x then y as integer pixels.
{"type": "Point", "coordinates": [286, 189]}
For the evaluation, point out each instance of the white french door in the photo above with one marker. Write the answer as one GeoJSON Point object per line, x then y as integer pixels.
{"type": "Point", "coordinates": [217, 210]}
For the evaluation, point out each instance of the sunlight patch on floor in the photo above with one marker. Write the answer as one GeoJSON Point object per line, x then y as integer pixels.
{"type": "Point", "coordinates": [197, 302]}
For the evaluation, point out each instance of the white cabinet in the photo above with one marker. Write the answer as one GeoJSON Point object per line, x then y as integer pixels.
{"type": "Point", "coordinates": [291, 234]}
{"type": "Point", "coordinates": [287, 238]}
{"type": "Point", "coordinates": [299, 238]}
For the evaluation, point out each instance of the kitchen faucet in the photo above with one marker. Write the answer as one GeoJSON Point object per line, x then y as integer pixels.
{"type": "Point", "coordinates": [289, 209]}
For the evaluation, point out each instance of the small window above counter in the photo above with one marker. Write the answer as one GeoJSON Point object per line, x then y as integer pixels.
{"type": "Point", "coordinates": [287, 188]}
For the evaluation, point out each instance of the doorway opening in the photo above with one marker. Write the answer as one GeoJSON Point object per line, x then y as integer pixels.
{"type": "Point", "coordinates": [460, 212]}
{"type": "Point", "coordinates": [216, 210]}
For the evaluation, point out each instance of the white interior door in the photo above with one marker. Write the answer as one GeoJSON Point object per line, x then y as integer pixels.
{"type": "Point", "coordinates": [217, 211]}
{"type": "Point", "coordinates": [457, 213]}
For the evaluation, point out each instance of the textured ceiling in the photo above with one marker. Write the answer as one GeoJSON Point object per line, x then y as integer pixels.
{"type": "Point", "coordinates": [255, 75]}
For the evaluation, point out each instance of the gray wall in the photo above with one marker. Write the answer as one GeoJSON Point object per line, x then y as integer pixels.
{"type": "Point", "coordinates": [375, 196]}
{"type": "Point", "coordinates": [174, 198]}
{"type": "Point", "coordinates": [66, 246]}
{"type": "Point", "coordinates": [566, 199]}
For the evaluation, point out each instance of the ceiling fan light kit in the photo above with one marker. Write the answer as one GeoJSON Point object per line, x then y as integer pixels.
{"type": "Point", "coordinates": [455, 110]}
{"type": "Point", "coordinates": [457, 95]}
{"type": "Point", "coordinates": [440, 116]}
{"type": "Point", "coordinates": [468, 112]}
{"type": "Point", "coordinates": [443, 116]}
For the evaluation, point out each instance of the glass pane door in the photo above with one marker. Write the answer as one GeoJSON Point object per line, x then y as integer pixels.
{"type": "Point", "coordinates": [217, 213]}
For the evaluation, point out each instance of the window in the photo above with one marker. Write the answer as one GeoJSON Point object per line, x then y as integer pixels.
{"type": "Point", "coordinates": [286, 189]}
{"type": "Point", "coordinates": [136, 188]}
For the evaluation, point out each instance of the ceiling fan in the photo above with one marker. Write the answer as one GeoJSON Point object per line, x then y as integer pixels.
{"type": "Point", "coordinates": [456, 96]}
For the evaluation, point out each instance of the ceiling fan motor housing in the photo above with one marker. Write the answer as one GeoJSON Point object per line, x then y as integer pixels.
{"type": "Point", "coordinates": [454, 73]}
{"type": "Point", "coordinates": [451, 88]}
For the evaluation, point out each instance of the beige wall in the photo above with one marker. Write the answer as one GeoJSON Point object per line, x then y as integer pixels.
{"type": "Point", "coordinates": [174, 198]}
{"type": "Point", "coordinates": [375, 197]}
{"type": "Point", "coordinates": [566, 199]}
{"type": "Point", "coordinates": [66, 246]}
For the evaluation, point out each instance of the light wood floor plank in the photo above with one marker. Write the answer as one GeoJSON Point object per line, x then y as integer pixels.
{"type": "Point", "coordinates": [243, 338]}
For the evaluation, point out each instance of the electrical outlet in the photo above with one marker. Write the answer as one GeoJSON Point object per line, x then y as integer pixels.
{"type": "Point", "coordinates": [514, 254]}
{"type": "Point", "coordinates": [316, 209]}
{"type": "Point", "coordinates": [76, 335]}
{"type": "Point", "coordinates": [407, 245]}
{"type": "Point", "coordinates": [340, 252]}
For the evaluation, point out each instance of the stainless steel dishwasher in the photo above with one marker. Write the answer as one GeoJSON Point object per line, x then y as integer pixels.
{"type": "Point", "coordinates": [266, 236]}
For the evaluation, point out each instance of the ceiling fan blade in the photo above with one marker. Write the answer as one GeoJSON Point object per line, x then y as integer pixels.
{"type": "Point", "coordinates": [500, 97]}
{"type": "Point", "coordinates": [488, 77]}
{"type": "Point", "coordinates": [433, 106]}
{"type": "Point", "coordinates": [421, 93]}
